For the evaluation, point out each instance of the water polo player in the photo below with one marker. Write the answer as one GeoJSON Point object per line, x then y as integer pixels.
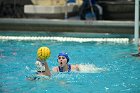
{"type": "Point", "coordinates": [63, 60]}
{"type": "Point", "coordinates": [43, 54]}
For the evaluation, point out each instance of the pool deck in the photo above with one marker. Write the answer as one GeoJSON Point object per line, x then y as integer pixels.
{"type": "Point", "coordinates": [59, 25]}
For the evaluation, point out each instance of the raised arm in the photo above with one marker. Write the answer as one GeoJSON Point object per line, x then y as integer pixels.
{"type": "Point", "coordinates": [47, 70]}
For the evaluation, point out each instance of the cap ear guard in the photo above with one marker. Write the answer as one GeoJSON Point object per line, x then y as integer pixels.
{"type": "Point", "coordinates": [67, 59]}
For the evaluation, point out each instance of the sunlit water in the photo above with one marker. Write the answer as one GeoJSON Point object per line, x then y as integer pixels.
{"type": "Point", "coordinates": [120, 71]}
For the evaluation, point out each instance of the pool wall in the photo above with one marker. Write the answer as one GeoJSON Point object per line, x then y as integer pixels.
{"type": "Point", "coordinates": [53, 25]}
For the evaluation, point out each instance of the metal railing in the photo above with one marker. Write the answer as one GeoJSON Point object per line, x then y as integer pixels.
{"type": "Point", "coordinates": [136, 28]}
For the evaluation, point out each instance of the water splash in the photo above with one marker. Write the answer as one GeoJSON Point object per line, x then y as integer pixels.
{"type": "Point", "coordinates": [91, 68]}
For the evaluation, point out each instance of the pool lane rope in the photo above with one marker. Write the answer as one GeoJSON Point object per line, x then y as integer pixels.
{"type": "Point", "coordinates": [73, 39]}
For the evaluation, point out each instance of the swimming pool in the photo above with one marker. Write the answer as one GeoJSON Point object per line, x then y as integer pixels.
{"type": "Point", "coordinates": [121, 74]}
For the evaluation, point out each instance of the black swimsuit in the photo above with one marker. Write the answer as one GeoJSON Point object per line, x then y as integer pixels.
{"type": "Point", "coordinates": [136, 55]}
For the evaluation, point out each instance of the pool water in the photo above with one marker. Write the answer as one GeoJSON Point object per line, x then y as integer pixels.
{"type": "Point", "coordinates": [17, 60]}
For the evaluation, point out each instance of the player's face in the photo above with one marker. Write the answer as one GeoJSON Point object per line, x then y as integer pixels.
{"type": "Point", "coordinates": [62, 61]}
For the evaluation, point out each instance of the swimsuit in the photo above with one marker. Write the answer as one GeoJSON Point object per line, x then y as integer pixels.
{"type": "Point", "coordinates": [136, 55]}
{"type": "Point", "coordinates": [40, 66]}
{"type": "Point", "coordinates": [61, 68]}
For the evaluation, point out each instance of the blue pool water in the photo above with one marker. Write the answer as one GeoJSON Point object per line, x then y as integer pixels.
{"type": "Point", "coordinates": [121, 74]}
